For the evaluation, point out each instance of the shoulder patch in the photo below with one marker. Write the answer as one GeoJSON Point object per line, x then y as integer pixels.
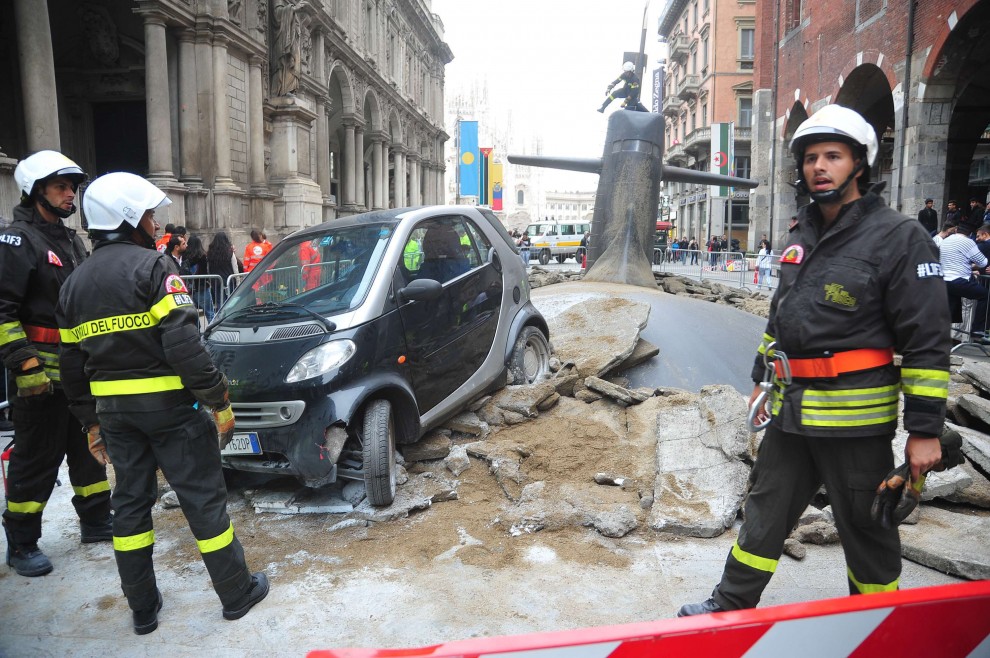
{"type": "Point", "coordinates": [793, 254]}
{"type": "Point", "coordinates": [12, 240]}
{"type": "Point", "coordinates": [928, 270]}
{"type": "Point", "coordinates": [174, 284]}
{"type": "Point", "coordinates": [54, 259]}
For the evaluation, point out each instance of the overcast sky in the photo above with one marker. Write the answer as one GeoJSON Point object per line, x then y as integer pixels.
{"type": "Point", "coordinates": [549, 61]}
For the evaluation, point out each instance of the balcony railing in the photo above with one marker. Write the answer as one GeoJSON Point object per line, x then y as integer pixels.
{"type": "Point", "coordinates": [671, 106]}
{"type": "Point", "coordinates": [688, 86]}
{"type": "Point", "coordinates": [698, 140]}
{"type": "Point", "coordinates": [676, 152]}
{"type": "Point", "coordinates": [680, 48]}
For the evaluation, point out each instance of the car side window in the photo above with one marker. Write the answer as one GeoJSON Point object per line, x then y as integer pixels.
{"type": "Point", "coordinates": [478, 254]}
{"type": "Point", "coordinates": [567, 229]}
{"type": "Point", "coordinates": [437, 249]}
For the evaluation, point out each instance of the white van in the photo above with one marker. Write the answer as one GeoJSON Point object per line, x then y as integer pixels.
{"type": "Point", "coordinates": [559, 240]}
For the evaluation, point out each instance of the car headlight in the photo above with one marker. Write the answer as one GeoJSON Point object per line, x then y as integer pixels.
{"type": "Point", "coordinates": [321, 359]}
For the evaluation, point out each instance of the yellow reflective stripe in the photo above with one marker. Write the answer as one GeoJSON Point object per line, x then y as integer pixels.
{"type": "Point", "coordinates": [135, 386]}
{"type": "Point", "coordinates": [850, 397]}
{"type": "Point", "coordinates": [216, 543]}
{"type": "Point", "coordinates": [134, 542]}
{"type": "Point", "coordinates": [50, 361]}
{"type": "Point", "coordinates": [922, 381]}
{"type": "Point", "coordinates": [870, 588]}
{"type": "Point", "coordinates": [30, 381]}
{"type": "Point", "coordinates": [126, 322]}
{"type": "Point", "coordinates": [89, 490]}
{"type": "Point", "coordinates": [11, 331]}
{"type": "Point", "coordinates": [880, 418]}
{"type": "Point", "coordinates": [767, 339]}
{"type": "Point", "coordinates": [27, 507]}
{"type": "Point", "coordinates": [776, 399]}
{"type": "Point", "coordinates": [754, 561]}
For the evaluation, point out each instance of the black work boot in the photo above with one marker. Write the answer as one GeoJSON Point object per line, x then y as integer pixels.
{"type": "Point", "coordinates": [145, 621]}
{"type": "Point", "coordinates": [703, 608]}
{"type": "Point", "coordinates": [258, 591]}
{"type": "Point", "coordinates": [28, 560]}
{"type": "Point", "coordinates": [91, 533]}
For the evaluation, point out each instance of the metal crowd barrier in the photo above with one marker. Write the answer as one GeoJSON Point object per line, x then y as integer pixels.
{"type": "Point", "coordinates": [733, 268]}
{"type": "Point", "coordinates": [208, 293]}
{"type": "Point", "coordinates": [233, 281]}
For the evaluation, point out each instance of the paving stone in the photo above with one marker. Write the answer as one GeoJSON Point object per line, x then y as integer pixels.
{"type": "Point", "coordinates": [951, 542]}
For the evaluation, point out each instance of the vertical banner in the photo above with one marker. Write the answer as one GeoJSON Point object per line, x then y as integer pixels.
{"type": "Point", "coordinates": [496, 195]}
{"type": "Point", "coordinates": [657, 89]}
{"type": "Point", "coordinates": [485, 177]}
{"type": "Point", "coordinates": [469, 158]}
{"type": "Point", "coordinates": [722, 157]}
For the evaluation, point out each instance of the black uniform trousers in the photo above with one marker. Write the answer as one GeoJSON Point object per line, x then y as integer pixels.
{"type": "Point", "coordinates": [788, 472]}
{"type": "Point", "coordinates": [182, 441]}
{"type": "Point", "coordinates": [45, 433]}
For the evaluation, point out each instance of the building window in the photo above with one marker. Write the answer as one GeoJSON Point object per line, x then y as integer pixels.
{"type": "Point", "coordinates": [704, 114]}
{"type": "Point", "coordinates": [868, 11]}
{"type": "Point", "coordinates": [694, 61]}
{"type": "Point", "coordinates": [704, 56]}
{"type": "Point", "coordinates": [794, 14]}
{"type": "Point", "coordinates": [746, 48]}
{"type": "Point", "coordinates": [520, 198]}
{"type": "Point", "coordinates": [742, 166]}
{"type": "Point", "coordinates": [694, 121]}
{"type": "Point", "coordinates": [706, 6]}
{"type": "Point", "coordinates": [745, 112]}
{"type": "Point", "coordinates": [694, 8]}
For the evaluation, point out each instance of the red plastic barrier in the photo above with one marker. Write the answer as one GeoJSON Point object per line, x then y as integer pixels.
{"type": "Point", "coordinates": [949, 621]}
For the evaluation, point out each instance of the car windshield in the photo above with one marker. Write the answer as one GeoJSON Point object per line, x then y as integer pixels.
{"type": "Point", "coordinates": [326, 274]}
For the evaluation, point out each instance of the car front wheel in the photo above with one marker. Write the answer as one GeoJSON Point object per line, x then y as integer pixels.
{"type": "Point", "coordinates": [530, 359]}
{"type": "Point", "coordinates": [379, 453]}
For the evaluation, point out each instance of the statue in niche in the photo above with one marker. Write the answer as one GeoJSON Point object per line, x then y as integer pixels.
{"type": "Point", "coordinates": [307, 51]}
{"type": "Point", "coordinates": [263, 20]}
{"type": "Point", "coordinates": [234, 11]}
{"type": "Point", "coordinates": [101, 34]}
{"type": "Point", "coordinates": [287, 47]}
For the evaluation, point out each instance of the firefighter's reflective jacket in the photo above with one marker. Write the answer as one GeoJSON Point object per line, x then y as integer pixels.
{"type": "Point", "coordinates": [130, 336]}
{"type": "Point", "coordinates": [872, 280]}
{"type": "Point", "coordinates": [36, 258]}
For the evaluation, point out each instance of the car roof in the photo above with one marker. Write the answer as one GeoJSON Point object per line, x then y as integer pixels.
{"type": "Point", "coordinates": [392, 217]}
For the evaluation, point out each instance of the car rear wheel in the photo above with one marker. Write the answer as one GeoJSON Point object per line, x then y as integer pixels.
{"type": "Point", "coordinates": [530, 359]}
{"type": "Point", "coordinates": [379, 453]}
{"type": "Point", "coordinates": [544, 256]}
{"type": "Point", "coordinates": [561, 258]}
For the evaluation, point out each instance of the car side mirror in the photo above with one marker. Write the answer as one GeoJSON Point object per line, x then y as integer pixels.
{"type": "Point", "coordinates": [421, 290]}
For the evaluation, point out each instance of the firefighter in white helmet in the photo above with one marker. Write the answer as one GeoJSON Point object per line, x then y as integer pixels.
{"type": "Point", "coordinates": [858, 282]}
{"type": "Point", "coordinates": [630, 90]}
{"type": "Point", "coordinates": [140, 381]}
{"type": "Point", "coordinates": [37, 254]}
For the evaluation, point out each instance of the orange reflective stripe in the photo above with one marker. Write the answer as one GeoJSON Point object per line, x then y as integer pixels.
{"type": "Point", "coordinates": [838, 364]}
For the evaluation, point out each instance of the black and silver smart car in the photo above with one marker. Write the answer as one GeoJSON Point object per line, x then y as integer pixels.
{"type": "Point", "coordinates": [368, 331]}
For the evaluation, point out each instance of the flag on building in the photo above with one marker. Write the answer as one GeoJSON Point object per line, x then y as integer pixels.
{"type": "Point", "coordinates": [486, 196]}
{"type": "Point", "coordinates": [722, 157]}
{"type": "Point", "coordinates": [496, 177]}
{"type": "Point", "coordinates": [469, 161]}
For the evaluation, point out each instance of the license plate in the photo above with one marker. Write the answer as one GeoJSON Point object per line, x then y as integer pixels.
{"type": "Point", "coordinates": [243, 444]}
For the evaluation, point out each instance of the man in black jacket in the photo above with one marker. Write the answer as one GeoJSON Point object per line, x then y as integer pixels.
{"type": "Point", "coordinates": [858, 282]}
{"type": "Point", "coordinates": [630, 90]}
{"type": "Point", "coordinates": [140, 381]}
{"type": "Point", "coordinates": [37, 253]}
{"type": "Point", "coordinates": [928, 217]}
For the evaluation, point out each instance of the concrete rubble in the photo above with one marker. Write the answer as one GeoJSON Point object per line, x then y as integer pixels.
{"type": "Point", "coordinates": [696, 452]}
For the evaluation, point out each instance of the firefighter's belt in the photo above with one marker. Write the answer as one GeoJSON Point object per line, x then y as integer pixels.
{"type": "Point", "coordinates": [38, 334]}
{"type": "Point", "coordinates": [833, 365]}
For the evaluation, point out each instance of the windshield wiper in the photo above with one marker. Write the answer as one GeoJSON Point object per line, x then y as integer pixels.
{"type": "Point", "coordinates": [272, 307]}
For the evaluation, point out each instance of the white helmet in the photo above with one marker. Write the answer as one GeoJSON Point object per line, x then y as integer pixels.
{"type": "Point", "coordinates": [834, 123]}
{"type": "Point", "coordinates": [628, 66]}
{"type": "Point", "coordinates": [45, 164]}
{"type": "Point", "coordinates": [113, 199]}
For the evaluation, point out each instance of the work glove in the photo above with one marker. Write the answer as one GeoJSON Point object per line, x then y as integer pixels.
{"type": "Point", "coordinates": [32, 379]}
{"type": "Point", "coordinates": [97, 446]}
{"type": "Point", "coordinates": [223, 416]}
{"type": "Point", "coordinates": [898, 495]}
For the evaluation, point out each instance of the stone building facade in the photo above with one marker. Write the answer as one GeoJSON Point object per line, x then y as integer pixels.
{"type": "Point", "coordinates": [915, 70]}
{"type": "Point", "coordinates": [708, 79]}
{"type": "Point", "coordinates": [277, 114]}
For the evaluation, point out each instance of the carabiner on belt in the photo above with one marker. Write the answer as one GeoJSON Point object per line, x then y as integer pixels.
{"type": "Point", "coordinates": [771, 357]}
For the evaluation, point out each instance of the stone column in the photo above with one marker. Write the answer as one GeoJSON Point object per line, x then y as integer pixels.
{"type": "Point", "coordinates": [349, 171]}
{"type": "Point", "coordinates": [189, 171]}
{"type": "Point", "coordinates": [359, 166]}
{"type": "Point", "coordinates": [221, 115]}
{"type": "Point", "coordinates": [376, 172]}
{"type": "Point", "coordinates": [256, 126]}
{"type": "Point", "coordinates": [37, 67]}
{"type": "Point", "coordinates": [414, 196]}
{"type": "Point", "coordinates": [385, 187]}
{"type": "Point", "coordinates": [323, 146]}
{"type": "Point", "coordinates": [157, 99]}
{"type": "Point", "coordinates": [400, 178]}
